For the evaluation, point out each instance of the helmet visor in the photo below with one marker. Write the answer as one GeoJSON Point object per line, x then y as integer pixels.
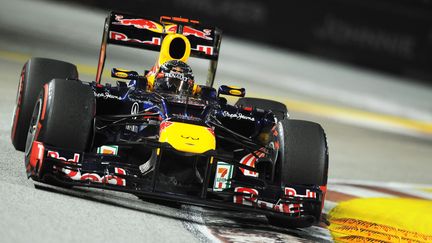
{"type": "Point", "coordinates": [172, 82]}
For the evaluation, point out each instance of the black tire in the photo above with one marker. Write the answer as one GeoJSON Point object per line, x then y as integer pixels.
{"type": "Point", "coordinates": [35, 73]}
{"type": "Point", "coordinates": [303, 151]}
{"type": "Point", "coordinates": [63, 116]}
{"type": "Point", "coordinates": [279, 109]}
{"type": "Point", "coordinates": [303, 160]}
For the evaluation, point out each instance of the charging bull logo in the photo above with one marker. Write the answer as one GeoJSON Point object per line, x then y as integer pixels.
{"type": "Point", "coordinates": [139, 23]}
{"type": "Point", "coordinates": [250, 160]}
{"type": "Point", "coordinates": [158, 28]}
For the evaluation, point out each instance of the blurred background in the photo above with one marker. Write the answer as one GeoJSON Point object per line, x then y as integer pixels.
{"type": "Point", "coordinates": [394, 36]}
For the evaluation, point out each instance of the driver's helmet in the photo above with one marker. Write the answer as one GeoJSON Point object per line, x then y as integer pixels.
{"type": "Point", "coordinates": [174, 76]}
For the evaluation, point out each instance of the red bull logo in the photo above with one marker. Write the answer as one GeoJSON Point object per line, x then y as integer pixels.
{"type": "Point", "coordinates": [139, 23]}
{"type": "Point", "coordinates": [187, 30]}
{"type": "Point", "coordinates": [113, 35]}
{"type": "Point", "coordinates": [158, 28]}
{"type": "Point", "coordinates": [204, 34]}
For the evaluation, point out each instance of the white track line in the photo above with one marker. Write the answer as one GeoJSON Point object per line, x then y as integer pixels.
{"type": "Point", "coordinates": [379, 183]}
{"type": "Point", "coordinates": [357, 191]}
{"type": "Point", "coordinates": [197, 224]}
{"type": "Point", "coordinates": [406, 188]}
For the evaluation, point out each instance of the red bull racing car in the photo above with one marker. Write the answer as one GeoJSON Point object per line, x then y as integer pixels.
{"type": "Point", "coordinates": [160, 135]}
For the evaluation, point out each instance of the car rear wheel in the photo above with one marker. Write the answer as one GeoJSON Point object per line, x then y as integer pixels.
{"type": "Point", "coordinates": [302, 160]}
{"type": "Point", "coordinates": [62, 117]}
{"type": "Point", "coordinates": [35, 73]}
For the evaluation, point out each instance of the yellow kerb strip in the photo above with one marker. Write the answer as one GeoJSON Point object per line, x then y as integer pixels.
{"type": "Point", "coordinates": [382, 219]}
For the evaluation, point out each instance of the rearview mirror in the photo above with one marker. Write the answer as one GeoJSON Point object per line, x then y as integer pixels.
{"type": "Point", "coordinates": [124, 74]}
{"type": "Point", "coordinates": [231, 90]}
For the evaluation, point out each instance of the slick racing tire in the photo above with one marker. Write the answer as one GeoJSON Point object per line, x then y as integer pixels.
{"type": "Point", "coordinates": [35, 73]}
{"type": "Point", "coordinates": [303, 151]}
{"type": "Point", "coordinates": [62, 117]}
{"type": "Point", "coordinates": [302, 160]}
{"type": "Point", "coordinates": [279, 109]}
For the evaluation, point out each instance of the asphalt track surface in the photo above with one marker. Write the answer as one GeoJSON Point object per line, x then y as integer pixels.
{"type": "Point", "coordinates": [378, 127]}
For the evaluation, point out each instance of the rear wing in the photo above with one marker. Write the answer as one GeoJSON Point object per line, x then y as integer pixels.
{"type": "Point", "coordinates": [148, 33]}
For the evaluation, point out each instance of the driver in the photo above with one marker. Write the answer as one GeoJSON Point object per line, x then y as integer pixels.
{"type": "Point", "coordinates": [174, 76]}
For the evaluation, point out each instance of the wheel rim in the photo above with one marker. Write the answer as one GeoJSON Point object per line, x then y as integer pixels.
{"type": "Point", "coordinates": [31, 135]}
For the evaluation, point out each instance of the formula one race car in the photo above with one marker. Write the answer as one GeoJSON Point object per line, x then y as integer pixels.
{"type": "Point", "coordinates": [159, 135]}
